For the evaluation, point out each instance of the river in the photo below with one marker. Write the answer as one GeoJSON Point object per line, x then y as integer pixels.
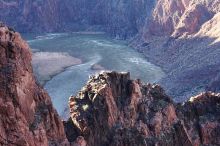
{"type": "Point", "coordinates": [94, 48]}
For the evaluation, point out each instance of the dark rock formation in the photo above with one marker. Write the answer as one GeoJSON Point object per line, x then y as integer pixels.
{"type": "Point", "coordinates": [27, 114]}
{"type": "Point", "coordinates": [114, 110]}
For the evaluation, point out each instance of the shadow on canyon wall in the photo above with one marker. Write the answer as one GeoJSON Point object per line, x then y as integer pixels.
{"type": "Point", "coordinates": [120, 18]}
{"type": "Point", "coordinates": [192, 64]}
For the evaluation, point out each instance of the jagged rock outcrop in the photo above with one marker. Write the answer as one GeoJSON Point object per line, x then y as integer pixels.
{"type": "Point", "coordinates": [111, 109]}
{"type": "Point", "coordinates": [27, 114]}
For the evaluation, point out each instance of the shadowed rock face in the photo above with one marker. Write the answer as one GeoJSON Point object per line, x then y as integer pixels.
{"type": "Point", "coordinates": [31, 15]}
{"type": "Point", "coordinates": [27, 114]}
{"type": "Point", "coordinates": [112, 109]}
{"type": "Point", "coordinates": [121, 18]}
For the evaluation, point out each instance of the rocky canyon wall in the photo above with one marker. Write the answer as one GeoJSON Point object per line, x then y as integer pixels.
{"type": "Point", "coordinates": [27, 116]}
{"type": "Point", "coordinates": [31, 15]}
{"type": "Point", "coordinates": [125, 18]}
{"type": "Point", "coordinates": [118, 17]}
{"type": "Point", "coordinates": [183, 38]}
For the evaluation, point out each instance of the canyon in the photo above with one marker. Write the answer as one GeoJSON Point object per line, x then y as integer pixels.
{"type": "Point", "coordinates": [74, 15]}
{"type": "Point", "coordinates": [181, 36]}
{"type": "Point", "coordinates": [111, 109]}
{"type": "Point", "coordinates": [53, 63]}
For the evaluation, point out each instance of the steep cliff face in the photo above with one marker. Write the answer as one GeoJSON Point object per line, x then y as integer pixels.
{"type": "Point", "coordinates": [112, 109]}
{"type": "Point", "coordinates": [26, 111]}
{"type": "Point", "coordinates": [127, 18]}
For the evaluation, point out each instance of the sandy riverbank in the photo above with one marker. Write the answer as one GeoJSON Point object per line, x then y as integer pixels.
{"type": "Point", "coordinates": [48, 64]}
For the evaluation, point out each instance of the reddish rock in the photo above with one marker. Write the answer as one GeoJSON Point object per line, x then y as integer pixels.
{"type": "Point", "coordinates": [201, 117]}
{"type": "Point", "coordinates": [114, 110]}
{"type": "Point", "coordinates": [27, 114]}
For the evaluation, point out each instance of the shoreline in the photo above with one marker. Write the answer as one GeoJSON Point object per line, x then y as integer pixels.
{"type": "Point", "coordinates": [43, 82]}
{"type": "Point", "coordinates": [46, 65]}
{"type": "Point", "coordinates": [55, 74]}
{"type": "Point", "coordinates": [94, 64]}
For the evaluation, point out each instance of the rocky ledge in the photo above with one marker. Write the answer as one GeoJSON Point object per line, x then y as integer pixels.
{"type": "Point", "coordinates": [113, 110]}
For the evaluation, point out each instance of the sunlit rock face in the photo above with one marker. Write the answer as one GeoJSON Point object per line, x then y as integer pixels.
{"type": "Point", "coordinates": [111, 109]}
{"type": "Point", "coordinates": [27, 115]}
{"type": "Point", "coordinates": [170, 17]}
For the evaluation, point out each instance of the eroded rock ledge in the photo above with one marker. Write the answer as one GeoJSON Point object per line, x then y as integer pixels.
{"type": "Point", "coordinates": [114, 110]}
